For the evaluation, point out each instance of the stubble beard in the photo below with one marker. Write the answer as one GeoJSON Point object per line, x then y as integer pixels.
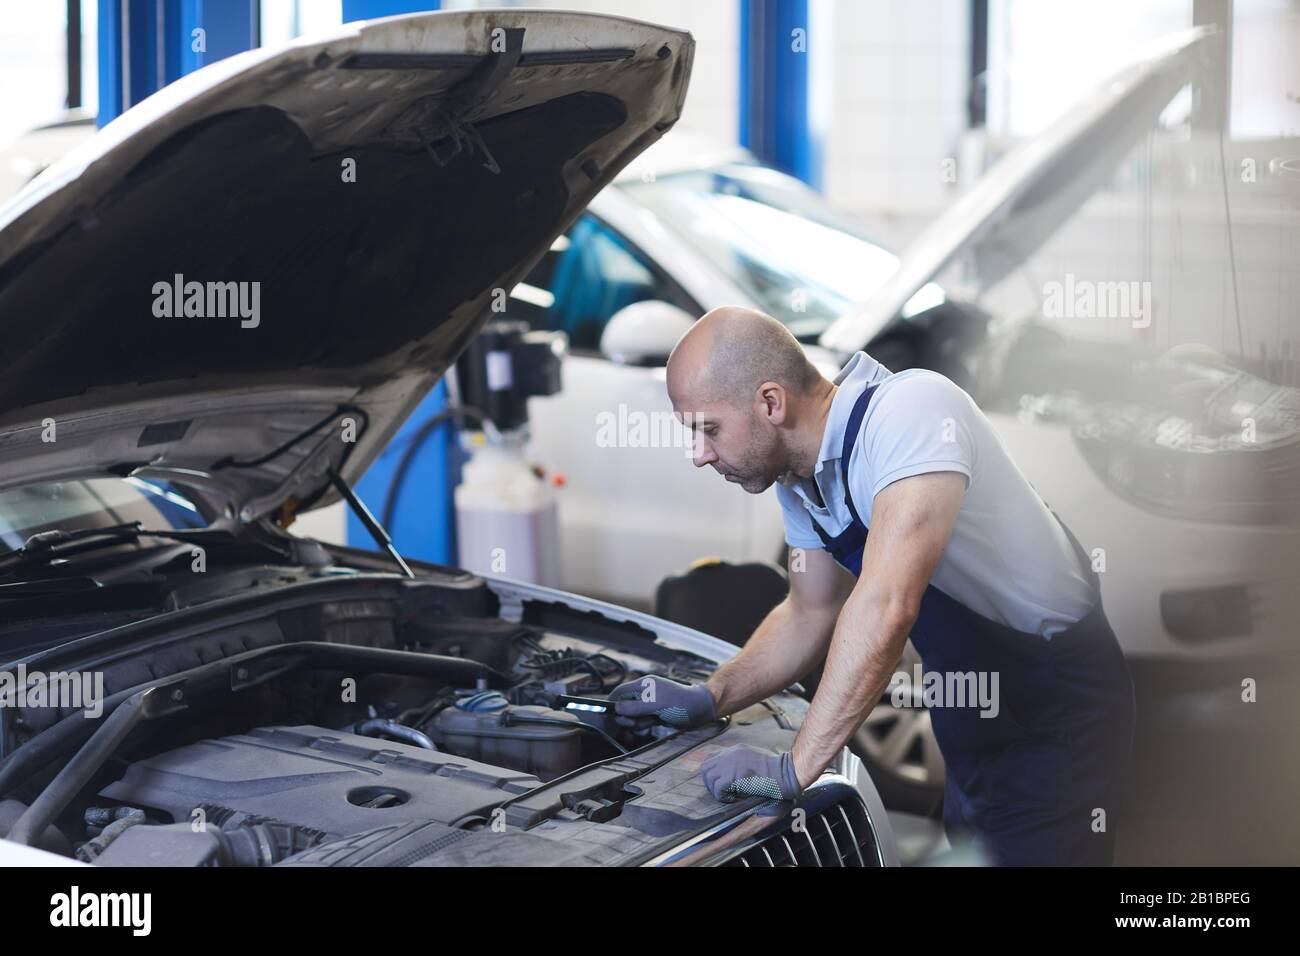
{"type": "Point", "coordinates": [764, 463]}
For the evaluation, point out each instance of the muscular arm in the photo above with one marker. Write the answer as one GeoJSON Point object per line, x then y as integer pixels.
{"type": "Point", "coordinates": [790, 641]}
{"type": "Point", "coordinates": [911, 522]}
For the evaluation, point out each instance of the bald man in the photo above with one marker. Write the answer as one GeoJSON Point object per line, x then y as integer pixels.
{"type": "Point", "coordinates": [906, 516]}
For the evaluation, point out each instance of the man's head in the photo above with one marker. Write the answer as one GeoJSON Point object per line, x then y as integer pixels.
{"type": "Point", "coordinates": [755, 402]}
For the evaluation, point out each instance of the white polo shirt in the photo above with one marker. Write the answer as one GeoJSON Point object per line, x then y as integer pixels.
{"type": "Point", "coordinates": [1008, 558]}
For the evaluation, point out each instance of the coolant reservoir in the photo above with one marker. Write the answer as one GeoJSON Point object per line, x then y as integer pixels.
{"type": "Point", "coordinates": [545, 743]}
{"type": "Point", "coordinates": [506, 520]}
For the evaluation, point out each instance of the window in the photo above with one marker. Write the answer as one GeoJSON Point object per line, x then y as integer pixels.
{"type": "Point", "coordinates": [283, 20]}
{"type": "Point", "coordinates": [778, 241]}
{"type": "Point", "coordinates": [587, 276]}
{"type": "Point", "coordinates": [34, 71]}
{"type": "Point", "coordinates": [1045, 56]}
{"type": "Point", "coordinates": [91, 503]}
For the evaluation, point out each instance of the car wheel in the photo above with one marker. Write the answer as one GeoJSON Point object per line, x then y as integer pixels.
{"type": "Point", "coordinates": [898, 747]}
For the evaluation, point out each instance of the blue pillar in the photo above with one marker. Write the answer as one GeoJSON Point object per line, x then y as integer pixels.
{"type": "Point", "coordinates": [373, 9]}
{"type": "Point", "coordinates": [423, 525]}
{"type": "Point", "coordinates": [774, 114]}
{"type": "Point", "coordinates": [232, 26]}
{"type": "Point", "coordinates": [146, 44]}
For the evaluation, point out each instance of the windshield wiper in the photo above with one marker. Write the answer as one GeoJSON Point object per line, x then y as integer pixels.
{"type": "Point", "coordinates": [48, 545]}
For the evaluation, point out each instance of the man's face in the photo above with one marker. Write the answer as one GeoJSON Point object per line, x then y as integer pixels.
{"type": "Point", "coordinates": [739, 445]}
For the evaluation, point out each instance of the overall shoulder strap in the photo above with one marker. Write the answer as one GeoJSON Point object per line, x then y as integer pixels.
{"type": "Point", "coordinates": [851, 431]}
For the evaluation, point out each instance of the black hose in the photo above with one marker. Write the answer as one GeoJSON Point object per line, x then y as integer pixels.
{"type": "Point", "coordinates": [413, 448]}
{"type": "Point", "coordinates": [349, 448]}
{"type": "Point", "coordinates": [229, 462]}
{"type": "Point", "coordinates": [381, 726]}
{"type": "Point", "coordinates": [78, 771]}
{"type": "Point", "coordinates": [89, 850]}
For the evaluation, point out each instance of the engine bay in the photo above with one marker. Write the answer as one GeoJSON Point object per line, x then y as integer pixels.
{"type": "Point", "coordinates": [426, 712]}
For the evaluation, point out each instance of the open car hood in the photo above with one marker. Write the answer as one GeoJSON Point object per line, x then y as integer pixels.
{"type": "Point", "coordinates": [1035, 188]}
{"type": "Point", "coordinates": [361, 195]}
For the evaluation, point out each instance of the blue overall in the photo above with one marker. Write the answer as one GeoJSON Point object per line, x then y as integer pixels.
{"type": "Point", "coordinates": [1028, 781]}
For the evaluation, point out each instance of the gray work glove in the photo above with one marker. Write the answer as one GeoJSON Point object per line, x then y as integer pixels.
{"type": "Point", "coordinates": [747, 772]}
{"type": "Point", "coordinates": [676, 704]}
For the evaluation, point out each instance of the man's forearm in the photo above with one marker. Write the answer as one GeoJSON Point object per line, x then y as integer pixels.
{"type": "Point", "coordinates": [785, 647]}
{"type": "Point", "coordinates": [866, 647]}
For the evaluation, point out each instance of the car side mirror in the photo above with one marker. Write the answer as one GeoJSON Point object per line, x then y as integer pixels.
{"type": "Point", "coordinates": [644, 333]}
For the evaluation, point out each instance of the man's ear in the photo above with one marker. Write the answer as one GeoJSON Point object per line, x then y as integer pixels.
{"type": "Point", "coordinates": [772, 402]}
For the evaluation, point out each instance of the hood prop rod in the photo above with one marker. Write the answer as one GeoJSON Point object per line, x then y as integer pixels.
{"type": "Point", "coordinates": [372, 525]}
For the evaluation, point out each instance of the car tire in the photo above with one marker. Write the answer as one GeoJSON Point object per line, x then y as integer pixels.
{"type": "Point", "coordinates": [907, 785]}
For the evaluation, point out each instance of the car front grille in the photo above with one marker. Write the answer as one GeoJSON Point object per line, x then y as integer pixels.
{"type": "Point", "coordinates": [836, 835]}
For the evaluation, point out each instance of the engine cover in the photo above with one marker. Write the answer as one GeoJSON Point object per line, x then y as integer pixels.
{"type": "Point", "coordinates": [331, 781]}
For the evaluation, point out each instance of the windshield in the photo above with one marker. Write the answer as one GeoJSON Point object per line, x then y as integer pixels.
{"type": "Point", "coordinates": [778, 240]}
{"type": "Point", "coordinates": [91, 503]}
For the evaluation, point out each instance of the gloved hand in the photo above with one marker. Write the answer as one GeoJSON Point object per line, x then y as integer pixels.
{"type": "Point", "coordinates": [676, 704]}
{"type": "Point", "coordinates": [747, 772]}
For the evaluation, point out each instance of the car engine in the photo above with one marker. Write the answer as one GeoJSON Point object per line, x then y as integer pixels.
{"type": "Point", "coordinates": [305, 759]}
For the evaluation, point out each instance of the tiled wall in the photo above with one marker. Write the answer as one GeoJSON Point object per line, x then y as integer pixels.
{"type": "Point", "coordinates": [898, 106]}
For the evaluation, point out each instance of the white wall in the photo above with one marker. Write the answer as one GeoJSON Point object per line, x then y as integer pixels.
{"type": "Point", "coordinates": [898, 106]}
{"type": "Point", "coordinates": [33, 69]}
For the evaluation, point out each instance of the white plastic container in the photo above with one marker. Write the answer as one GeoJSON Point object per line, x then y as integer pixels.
{"type": "Point", "coordinates": [506, 521]}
